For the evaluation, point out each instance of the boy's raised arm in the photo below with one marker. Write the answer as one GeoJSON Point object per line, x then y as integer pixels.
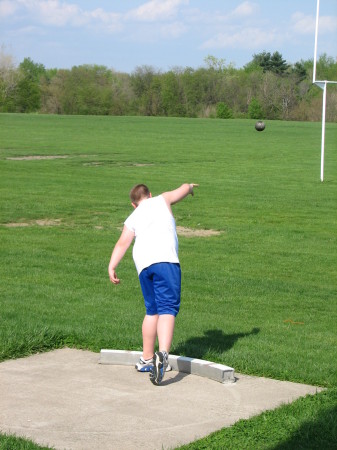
{"type": "Point", "coordinates": [172, 197]}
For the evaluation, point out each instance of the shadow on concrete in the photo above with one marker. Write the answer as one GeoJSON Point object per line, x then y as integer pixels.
{"type": "Point", "coordinates": [179, 377]}
{"type": "Point", "coordinates": [212, 341]}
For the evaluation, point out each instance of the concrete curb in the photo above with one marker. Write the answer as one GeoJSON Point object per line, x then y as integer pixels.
{"type": "Point", "coordinates": [207, 369]}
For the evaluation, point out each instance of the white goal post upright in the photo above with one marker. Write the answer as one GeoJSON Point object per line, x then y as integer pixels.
{"type": "Point", "coordinates": [315, 51]}
{"type": "Point", "coordinates": [322, 85]}
{"type": "Point", "coordinates": [323, 127]}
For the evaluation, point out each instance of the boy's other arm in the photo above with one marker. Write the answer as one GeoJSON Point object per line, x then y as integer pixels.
{"type": "Point", "coordinates": [178, 194]}
{"type": "Point", "coordinates": [118, 252]}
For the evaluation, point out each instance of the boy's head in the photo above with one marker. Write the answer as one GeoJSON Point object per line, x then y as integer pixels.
{"type": "Point", "coordinates": [138, 193]}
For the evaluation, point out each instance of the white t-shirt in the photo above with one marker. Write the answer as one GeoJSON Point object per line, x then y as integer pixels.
{"type": "Point", "coordinates": [155, 233]}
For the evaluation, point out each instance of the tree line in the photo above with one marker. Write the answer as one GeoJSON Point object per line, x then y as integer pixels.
{"type": "Point", "coordinates": [265, 88]}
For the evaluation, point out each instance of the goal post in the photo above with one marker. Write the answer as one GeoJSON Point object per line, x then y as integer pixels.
{"type": "Point", "coordinates": [323, 85]}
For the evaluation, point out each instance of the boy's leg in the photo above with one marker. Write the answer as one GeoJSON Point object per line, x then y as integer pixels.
{"type": "Point", "coordinates": [149, 327]}
{"type": "Point", "coordinates": [149, 331]}
{"type": "Point", "coordinates": [165, 330]}
{"type": "Point", "coordinates": [165, 290]}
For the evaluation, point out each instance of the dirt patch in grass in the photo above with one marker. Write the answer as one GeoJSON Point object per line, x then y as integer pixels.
{"type": "Point", "coordinates": [40, 222]}
{"type": "Point", "coordinates": [181, 231]}
{"type": "Point", "coordinates": [142, 164]}
{"type": "Point", "coordinates": [190, 232]}
{"type": "Point", "coordinates": [37, 157]}
{"type": "Point", "coordinates": [94, 163]}
{"type": "Point", "coordinates": [116, 163]}
{"type": "Point", "coordinates": [16, 224]}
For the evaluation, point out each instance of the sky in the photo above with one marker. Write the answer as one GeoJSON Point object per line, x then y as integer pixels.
{"type": "Point", "coordinates": [164, 34]}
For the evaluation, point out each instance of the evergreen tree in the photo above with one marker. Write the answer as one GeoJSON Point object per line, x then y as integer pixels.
{"type": "Point", "coordinates": [255, 110]}
{"type": "Point", "coordinates": [223, 111]}
{"type": "Point", "coordinates": [269, 62]}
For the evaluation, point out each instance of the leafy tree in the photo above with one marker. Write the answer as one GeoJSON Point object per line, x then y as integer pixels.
{"type": "Point", "coordinates": [153, 98]}
{"type": "Point", "coordinates": [8, 82]}
{"type": "Point", "coordinates": [191, 91]}
{"type": "Point", "coordinates": [141, 80]}
{"type": "Point", "coordinates": [28, 90]}
{"type": "Point", "coordinates": [255, 110]}
{"type": "Point", "coordinates": [89, 86]}
{"type": "Point", "coordinates": [33, 71]}
{"type": "Point", "coordinates": [121, 94]}
{"type": "Point", "coordinates": [171, 98]}
{"type": "Point", "coordinates": [269, 95]}
{"type": "Point", "coordinates": [326, 68]}
{"type": "Point", "coordinates": [217, 64]}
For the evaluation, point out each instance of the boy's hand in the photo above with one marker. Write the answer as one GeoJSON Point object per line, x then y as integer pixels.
{"type": "Point", "coordinates": [113, 276]}
{"type": "Point", "coordinates": [192, 186]}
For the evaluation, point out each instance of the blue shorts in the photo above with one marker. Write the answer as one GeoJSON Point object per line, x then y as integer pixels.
{"type": "Point", "coordinates": [161, 287]}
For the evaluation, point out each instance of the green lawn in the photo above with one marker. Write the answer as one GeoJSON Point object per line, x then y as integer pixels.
{"type": "Point", "coordinates": [260, 296]}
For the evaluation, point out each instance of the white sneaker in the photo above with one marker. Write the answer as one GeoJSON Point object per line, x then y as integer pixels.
{"type": "Point", "coordinates": [160, 365]}
{"type": "Point", "coordinates": [145, 365]}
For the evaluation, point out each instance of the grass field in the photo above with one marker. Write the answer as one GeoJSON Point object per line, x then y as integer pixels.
{"type": "Point", "coordinates": [260, 296]}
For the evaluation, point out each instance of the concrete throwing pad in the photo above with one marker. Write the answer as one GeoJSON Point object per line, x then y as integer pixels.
{"type": "Point", "coordinates": [66, 400]}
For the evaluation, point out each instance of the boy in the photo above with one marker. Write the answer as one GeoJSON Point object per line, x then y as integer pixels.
{"type": "Point", "coordinates": [155, 254]}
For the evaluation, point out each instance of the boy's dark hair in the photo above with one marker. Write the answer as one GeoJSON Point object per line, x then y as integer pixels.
{"type": "Point", "coordinates": [139, 192]}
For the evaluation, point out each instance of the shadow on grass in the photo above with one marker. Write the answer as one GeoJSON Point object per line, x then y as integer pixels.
{"type": "Point", "coordinates": [306, 424]}
{"type": "Point", "coordinates": [213, 341]}
{"type": "Point", "coordinates": [319, 433]}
